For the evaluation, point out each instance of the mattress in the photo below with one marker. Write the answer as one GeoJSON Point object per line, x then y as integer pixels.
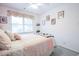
{"type": "Point", "coordinates": [30, 45]}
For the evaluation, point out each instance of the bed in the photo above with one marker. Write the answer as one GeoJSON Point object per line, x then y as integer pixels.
{"type": "Point", "coordinates": [30, 45]}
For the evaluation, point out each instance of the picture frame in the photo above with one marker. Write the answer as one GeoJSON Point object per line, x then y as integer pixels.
{"type": "Point", "coordinates": [3, 19]}
{"type": "Point", "coordinates": [60, 14]}
{"type": "Point", "coordinates": [53, 21]}
{"type": "Point", "coordinates": [48, 17]}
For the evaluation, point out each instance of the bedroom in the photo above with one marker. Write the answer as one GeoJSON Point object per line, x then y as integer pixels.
{"type": "Point", "coordinates": [57, 21]}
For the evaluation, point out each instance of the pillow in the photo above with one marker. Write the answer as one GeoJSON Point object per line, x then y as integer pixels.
{"type": "Point", "coordinates": [5, 42]}
{"type": "Point", "coordinates": [17, 36]}
{"type": "Point", "coordinates": [10, 35]}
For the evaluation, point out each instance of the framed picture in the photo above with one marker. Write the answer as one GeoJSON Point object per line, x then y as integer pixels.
{"type": "Point", "coordinates": [48, 17]}
{"type": "Point", "coordinates": [60, 14]}
{"type": "Point", "coordinates": [3, 19]}
{"type": "Point", "coordinates": [53, 21]}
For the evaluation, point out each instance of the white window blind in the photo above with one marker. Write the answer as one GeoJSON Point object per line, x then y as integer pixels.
{"type": "Point", "coordinates": [21, 24]}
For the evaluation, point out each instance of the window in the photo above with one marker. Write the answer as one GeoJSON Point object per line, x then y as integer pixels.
{"type": "Point", "coordinates": [28, 25]}
{"type": "Point", "coordinates": [21, 24]}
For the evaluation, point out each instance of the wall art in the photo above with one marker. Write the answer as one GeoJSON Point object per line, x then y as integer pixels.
{"type": "Point", "coordinates": [3, 19]}
{"type": "Point", "coordinates": [60, 14]}
{"type": "Point", "coordinates": [53, 21]}
{"type": "Point", "coordinates": [48, 17]}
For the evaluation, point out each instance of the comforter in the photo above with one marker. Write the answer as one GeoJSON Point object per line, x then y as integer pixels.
{"type": "Point", "coordinates": [30, 45]}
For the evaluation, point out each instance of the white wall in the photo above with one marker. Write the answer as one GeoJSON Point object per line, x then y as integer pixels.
{"type": "Point", "coordinates": [66, 30]}
{"type": "Point", "coordinates": [3, 12]}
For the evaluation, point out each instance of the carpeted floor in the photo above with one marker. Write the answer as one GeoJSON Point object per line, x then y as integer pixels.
{"type": "Point", "coordinates": [60, 51]}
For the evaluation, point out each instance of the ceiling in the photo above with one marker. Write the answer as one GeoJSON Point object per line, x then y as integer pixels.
{"type": "Point", "coordinates": [43, 8]}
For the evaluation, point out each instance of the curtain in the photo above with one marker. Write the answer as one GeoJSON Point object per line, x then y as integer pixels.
{"type": "Point", "coordinates": [14, 13]}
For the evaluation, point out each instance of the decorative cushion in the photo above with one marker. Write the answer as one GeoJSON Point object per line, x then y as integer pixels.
{"type": "Point", "coordinates": [17, 36]}
{"type": "Point", "coordinates": [11, 35]}
{"type": "Point", "coordinates": [5, 42]}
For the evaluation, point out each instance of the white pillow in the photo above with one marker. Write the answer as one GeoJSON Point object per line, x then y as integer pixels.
{"type": "Point", "coordinates": [10, 35]}
{"type": "Point", "coordinates": [5, 42]}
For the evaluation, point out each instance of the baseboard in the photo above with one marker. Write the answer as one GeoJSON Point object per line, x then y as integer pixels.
{"type": "Point", "coordinates": [68, 49]}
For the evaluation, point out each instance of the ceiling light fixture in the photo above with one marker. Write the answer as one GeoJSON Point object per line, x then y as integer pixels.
{"type": "Point", "coordinates": [35, 5]}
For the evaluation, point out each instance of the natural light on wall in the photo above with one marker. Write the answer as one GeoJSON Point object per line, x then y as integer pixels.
{"type": "Point", "coordinates": [21, 24]}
